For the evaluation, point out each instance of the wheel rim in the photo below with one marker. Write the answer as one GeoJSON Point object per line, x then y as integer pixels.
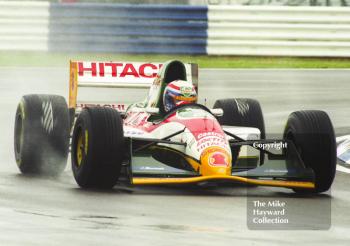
{"type": "Point", "coordinates": [79, 148]}
{"type": "Point", "coordinates": [18, 133]}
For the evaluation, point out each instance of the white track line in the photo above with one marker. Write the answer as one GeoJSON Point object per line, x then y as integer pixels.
{"type": "Point", "coordinates": [343, 169]}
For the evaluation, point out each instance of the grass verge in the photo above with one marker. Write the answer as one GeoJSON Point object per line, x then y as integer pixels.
{"type": "Point", "coordinates": [62, 59]}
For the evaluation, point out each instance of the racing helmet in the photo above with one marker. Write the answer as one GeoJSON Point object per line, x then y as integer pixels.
{"type": "Point", "coordinates": [177, 93]}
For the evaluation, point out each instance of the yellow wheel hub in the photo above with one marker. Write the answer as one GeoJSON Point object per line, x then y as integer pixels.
{"type": "Point", "coordinates": [80, 148]}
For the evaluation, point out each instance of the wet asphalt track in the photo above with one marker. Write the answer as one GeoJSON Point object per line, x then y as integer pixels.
{"type": "Point", "coordinates": [39, 211]}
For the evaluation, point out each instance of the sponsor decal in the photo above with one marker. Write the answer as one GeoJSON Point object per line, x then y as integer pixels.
{"type": "Point", "coordinates": [210, 134]}
{"type": "Point", "coordinates": [207, 139]}
{"type": "Point", "coordinates": [133, 132]}
{"type": "Point", "coordinates": [210, 141]}
{"type": "Point", "coordinates": [136, 119]}
{"type": "Point", "coordinates": [186, 91]}
{"type": "Point", "coordinates": [118, 69]}
{"type": "Point", "coordinates": [152, 168]}
{"type": "Point", "coordinates": [119, 107]}
{"type": "Point", "coordinates": [217, 157]}
{"type": "Point", "coordinates": [278, 171]}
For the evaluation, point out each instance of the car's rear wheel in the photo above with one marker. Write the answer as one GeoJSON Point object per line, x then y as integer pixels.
{"type": "Point", "coordinates": [242, 112]}
{"type": "Point", "coordinates": [41, 134]}
{"type": "Point", "coordinates": [313, 135]}
{"type": "Point", "coordinates": [97, 148]}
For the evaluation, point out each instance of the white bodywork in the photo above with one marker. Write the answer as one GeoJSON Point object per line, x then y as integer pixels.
{"type": "Point", "coordinates": [194, 146]}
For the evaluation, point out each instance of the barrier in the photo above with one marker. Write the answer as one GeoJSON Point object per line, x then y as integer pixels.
{"type": "Point", "coordinates": [281, 2]}
{"type": "Point", "coordinates": [88, 27]}
{"type": "Point", "coordinates": [279, 31]}
{"type": "Point", "coordinates": [175, 29]}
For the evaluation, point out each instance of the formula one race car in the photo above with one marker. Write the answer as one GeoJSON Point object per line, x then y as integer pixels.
{"type": "Point", "coordinates": [168, 138]}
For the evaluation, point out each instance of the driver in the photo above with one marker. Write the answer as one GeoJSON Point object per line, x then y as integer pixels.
{"type": "Point", "coordinates": [177, 93]}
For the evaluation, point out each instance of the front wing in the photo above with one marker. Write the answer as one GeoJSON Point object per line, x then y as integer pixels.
{"type": "Point", "coordinates": [279, 170]}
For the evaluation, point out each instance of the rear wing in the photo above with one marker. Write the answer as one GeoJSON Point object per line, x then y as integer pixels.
{"type": "Point", "coordinates": [100, 74]}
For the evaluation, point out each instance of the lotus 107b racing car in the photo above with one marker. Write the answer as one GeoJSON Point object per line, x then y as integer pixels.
{"type": "Point", "coordinates": [168, 138]}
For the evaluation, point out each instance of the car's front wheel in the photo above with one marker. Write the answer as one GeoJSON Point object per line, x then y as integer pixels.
{"type": "Point", "coordinates": [97, 148]}
{"type": "Point", "coordinates": [312, 133]}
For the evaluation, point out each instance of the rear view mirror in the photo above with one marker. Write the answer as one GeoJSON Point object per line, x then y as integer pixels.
{"type": "Point", "coordinates": [152, 111]}
{"type": "Point", "coordinates": [217, 111]}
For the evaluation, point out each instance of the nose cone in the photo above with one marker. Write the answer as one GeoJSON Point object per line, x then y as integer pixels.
{"type": "Point", "coordinates": [215, 161]}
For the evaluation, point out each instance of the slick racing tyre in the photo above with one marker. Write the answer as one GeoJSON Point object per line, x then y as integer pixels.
{"type": "Point", "coordinates": [242, 112]}
{"type": "Point", "coordinates": [41, 136]}
{"type": "Point", "coordinates": [97, 148]}
{"type": "Point", "coordinates": [312, 133]}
